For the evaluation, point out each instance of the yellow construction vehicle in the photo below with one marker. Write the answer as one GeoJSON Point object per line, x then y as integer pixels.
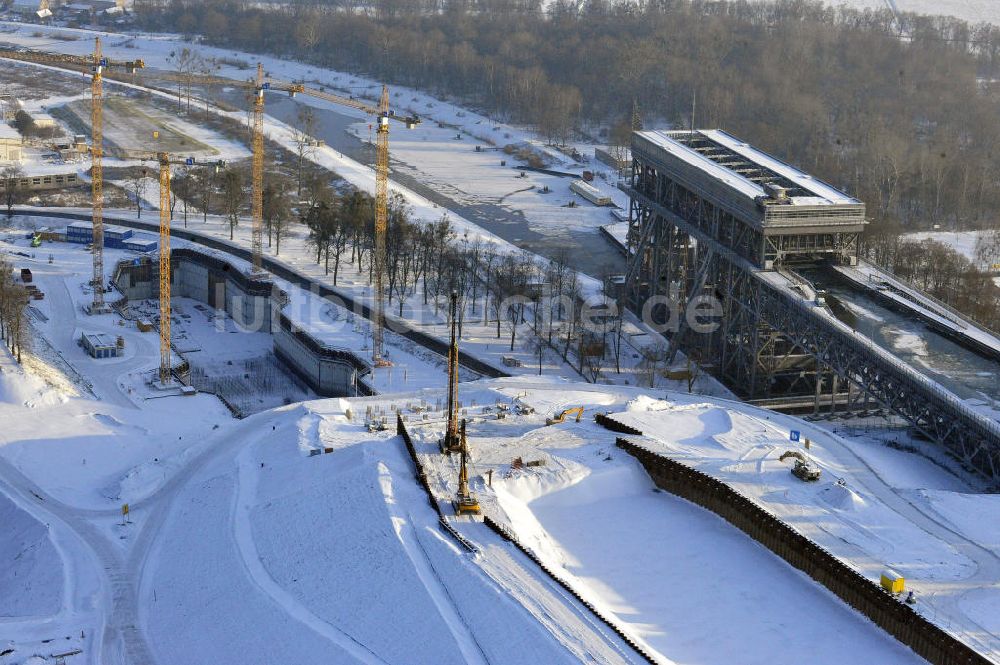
{"type": "Point", "coordinates": [803, 468]}
{"type": "Point", "coordinates": [465, 501]}
{"type": "Point", "coordinates": [561, 418]}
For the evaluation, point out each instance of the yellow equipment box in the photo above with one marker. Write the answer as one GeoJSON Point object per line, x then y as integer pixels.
{"type": "Point", "coordinates": [892, 581]}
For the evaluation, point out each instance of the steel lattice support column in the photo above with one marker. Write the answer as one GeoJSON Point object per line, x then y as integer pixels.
{"type": "Point", "coordinates": [772, 342]}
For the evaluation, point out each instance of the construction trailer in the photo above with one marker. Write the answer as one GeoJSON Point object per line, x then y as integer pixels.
{"type": "Point", "coordinates": [100, 345]}
{"type": "Point", "coordinates": [41, 183]}
{"type": "Point", "coordinates": [617, 158]}
{"type": "Point", "coordinates": [892, 581]}
{"type": "Point", "coordinates": [82, 233]}
{"type": "Point", "coordinates": [143, 245]}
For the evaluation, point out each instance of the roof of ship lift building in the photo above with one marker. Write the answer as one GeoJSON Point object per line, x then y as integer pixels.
{"type": "Point", "coordinates": [720, 167]}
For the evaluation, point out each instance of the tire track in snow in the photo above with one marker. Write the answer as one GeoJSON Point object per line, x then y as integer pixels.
{"type": "Point", "coordinates": [246, 492]}
{"type": "Point", "coordinates": [403, 525]}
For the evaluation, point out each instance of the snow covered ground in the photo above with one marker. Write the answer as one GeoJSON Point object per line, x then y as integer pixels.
{"type": "Point", "coordinates": [109, 429]}
{"type": "Point", "coordinates": [658, 570]}
{"type": "Point", "coordinates": [247, 547]}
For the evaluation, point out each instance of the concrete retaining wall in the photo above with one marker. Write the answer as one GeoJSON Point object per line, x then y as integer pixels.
{"type": "Point", "coordinates": [893, 616]}
{"type": "Point", "coordinates": [254, 304]}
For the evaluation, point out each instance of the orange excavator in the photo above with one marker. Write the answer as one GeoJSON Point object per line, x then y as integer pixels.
{"type": "Point", "coordinates": [561, 418]}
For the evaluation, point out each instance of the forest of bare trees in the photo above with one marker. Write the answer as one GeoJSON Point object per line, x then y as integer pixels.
{"type": "Point", "coordinates": [531, 303]}
{"type": "Point", "coordinates": [939, 270]}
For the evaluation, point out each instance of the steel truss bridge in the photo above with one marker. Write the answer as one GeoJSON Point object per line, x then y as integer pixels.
{"type": "Point", "coordinates": [694, 237]}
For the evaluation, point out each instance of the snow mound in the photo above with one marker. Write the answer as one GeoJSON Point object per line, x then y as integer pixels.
{"type": "Point", "coordinates": [326, 522]}
{"type": "Point", "coordinates": [647, 403]}
{"type": "Point", "coordinates": [841, 497]}
{"type": "Point", "coordinates": [19, 387]}
{"type": "Point", "coordinates": [31, 575]}
{"type": "Point", "coordinates": [140, 482]}
{"type": "Point", "coordinates": [110, 421]}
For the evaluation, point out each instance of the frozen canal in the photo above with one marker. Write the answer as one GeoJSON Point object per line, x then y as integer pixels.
{"type": "Point", "coordinates": [592, 253]}
{"type": "Point", "coordinates": [967, 374]}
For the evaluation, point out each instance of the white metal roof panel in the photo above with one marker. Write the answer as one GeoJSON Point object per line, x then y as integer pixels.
{"type": "Point", "coordinates": [828, 194]}
{"type": "Point", "coordinates": [662, 140]}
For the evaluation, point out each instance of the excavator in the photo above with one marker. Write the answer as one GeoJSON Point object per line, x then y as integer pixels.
{"type": "Point", "coordinates": [804, 469]}
{"type": "Point", "coordinates": [561, 418]}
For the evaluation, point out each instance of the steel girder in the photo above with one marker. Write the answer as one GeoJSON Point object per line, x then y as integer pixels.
{"type": "Point", "coordinates": [763, 326]}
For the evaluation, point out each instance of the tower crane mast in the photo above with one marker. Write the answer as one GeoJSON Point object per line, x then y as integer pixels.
{"type": "Point", "coordinates": [165, 268]}
{"type": "Point", "coordinates": [383, 114]}
{"type": "Point", "coordinates": [381, 226]}
{"type": "Point", "coordinates": [164, 160]}
{"type": "Point", "coordinates": [97, 64]}
{"type": "Point", "coordinates": [257, 173]}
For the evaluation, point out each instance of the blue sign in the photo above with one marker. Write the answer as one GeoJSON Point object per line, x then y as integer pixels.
{"type": "Point", "coordinates": [189, 161]}
{"type": "Point", "coordinates": [794, 435]}
{"type": "Point", "coordinates": [266, 85]}
{"type": "Point", "coordinates": [136, 262]}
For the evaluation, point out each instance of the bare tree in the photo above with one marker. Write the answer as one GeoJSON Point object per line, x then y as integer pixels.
{"type": "Point", "coordinates": [188, 63]}
{"type": "Point", "coordinates": [322, 220]}
{"type": "Point", "coordinates": [232, 197]}
{"type": "Point", "coordinates": [13, 193]}
{"type": "Point", "coordinates": [305, 143]}
{"type": "Point", "coordinates": [13, 303]}
{"type": "Point", "coordinates": [277, 211]}
{"type": "Point", "coordinates": [654, 360]}
{"type": "Point", "coordinates": [182, 186]}
{"type": "Point", "coordinates": [137, 183]}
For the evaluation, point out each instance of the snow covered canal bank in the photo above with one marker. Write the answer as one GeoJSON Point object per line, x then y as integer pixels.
{"type": "Point", "coordinates": [664, 568]}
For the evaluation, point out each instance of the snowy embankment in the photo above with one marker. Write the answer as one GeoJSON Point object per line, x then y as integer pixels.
{"type": "Point", "coordinates": [668, 573]}
{"type": "Point", "coordinates": [31, 572]}
{"type": "Point", "coordinates": [88, 431]}
{"type": "Point", "coordinates": [869, 510]}
{"type": "Point", "coordinates": [277, 556]}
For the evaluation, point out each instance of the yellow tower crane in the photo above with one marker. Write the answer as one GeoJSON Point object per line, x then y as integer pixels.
{"type": "Point", "coordinates": [383, 115]}
{"type": "Point", "coordinates": [164, 160]}
{"type": "Point", "coordinates": [97, 64]}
